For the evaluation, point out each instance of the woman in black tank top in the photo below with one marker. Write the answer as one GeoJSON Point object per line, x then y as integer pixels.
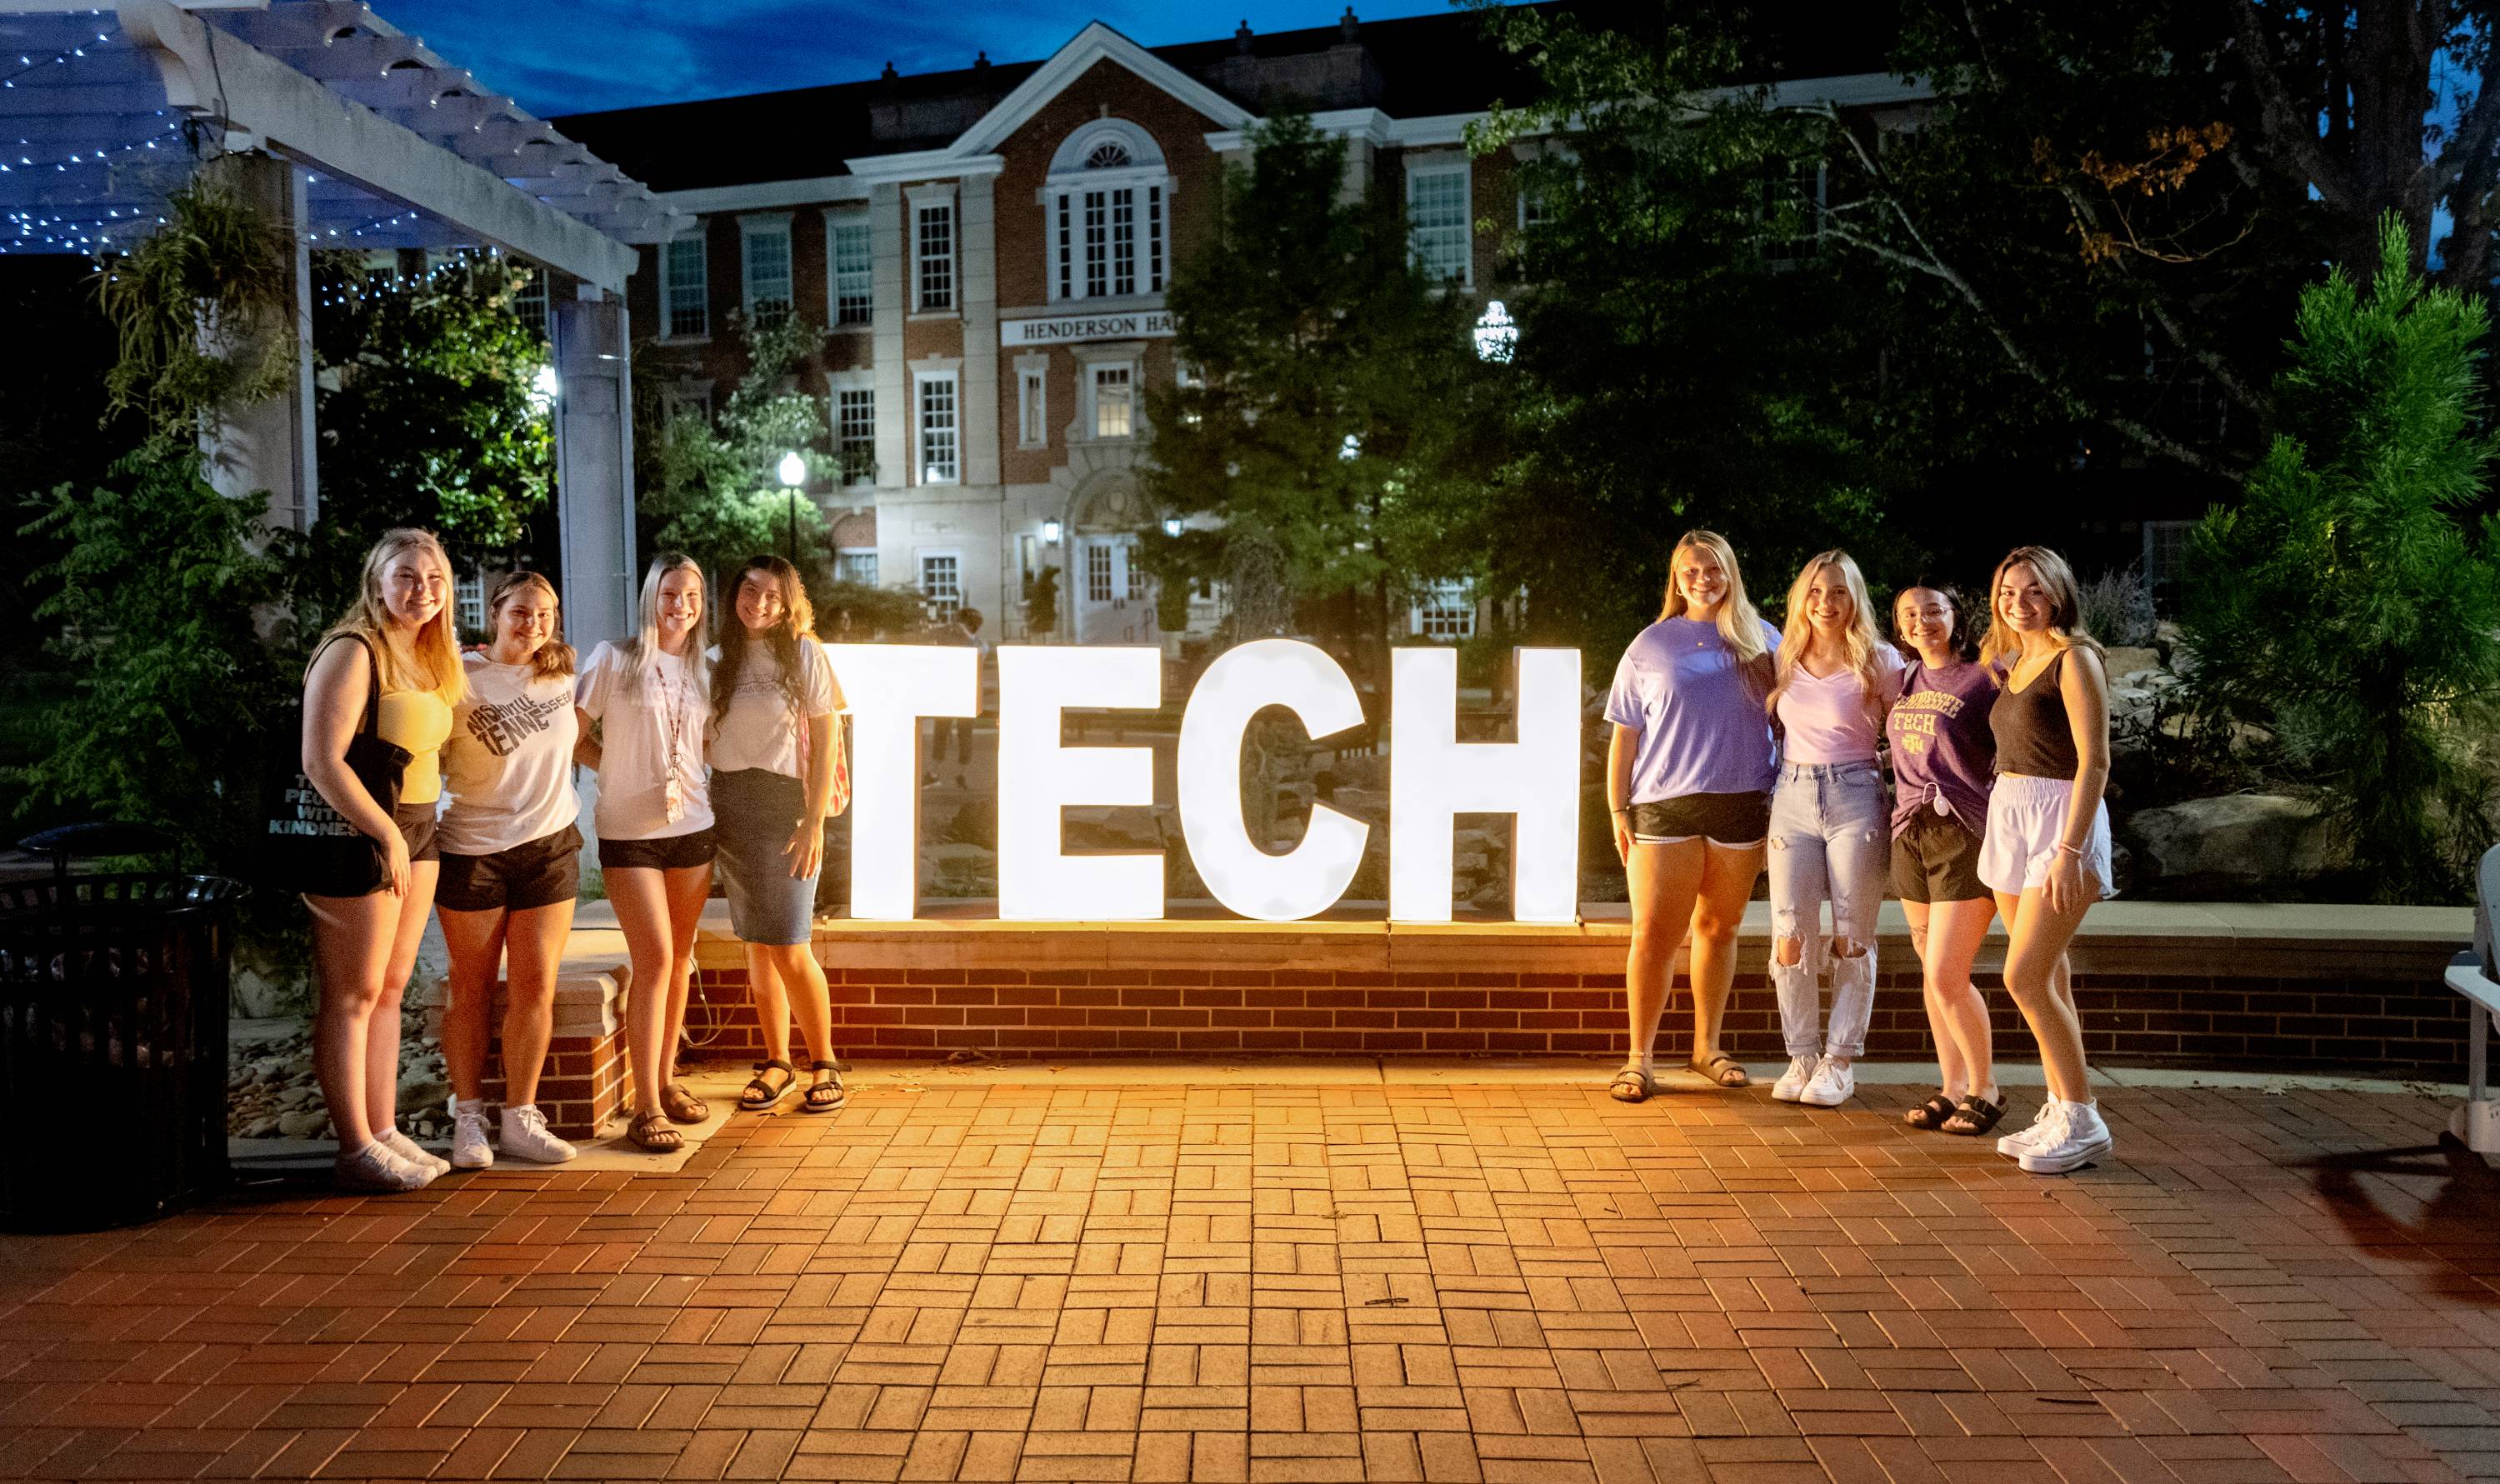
{"type": "Point", "coordinates": [2045, 853]}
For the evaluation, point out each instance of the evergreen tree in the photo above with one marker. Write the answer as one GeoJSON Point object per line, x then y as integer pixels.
{"type": "Point", "coordinates": [2344, 605]}
{"type": "Point", "coordinates": [1336, 410]}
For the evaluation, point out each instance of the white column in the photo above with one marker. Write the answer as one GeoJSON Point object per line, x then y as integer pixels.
{"type": "Point", "coordinates": [270, 444]}
{"type": "Point", "coordinates": [1433, 777]}
{"type": "Point", "coordinates": [886, 228]}
{"type": "Point", "coordinates": [594, 468]}
{"type": "Point", "coordinates": [978, 214]}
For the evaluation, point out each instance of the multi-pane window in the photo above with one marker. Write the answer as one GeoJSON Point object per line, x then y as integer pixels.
{"type": "Point", "coordinates": [1137, 574]}
{"type": "Point", "coordinates": [1445, 610]}
{"type": "Point", "coordinates": [685, 290]}
{"type": "Point", "coordinates": [856, 565]}
{"type": "Point", "coordinates": [1097, 572]}
{"type": "Point", "coordinates": [940, 463]}
{"type": "Point", "coordinates": [935, 245]}
{"type": "Point", "coordinates": [855, 434]}
{"type": "Point", "coordinates": [469, 604]}
{"type": "Point", "coordinates": [1115, 401]}
{"type": "Point", "coordinates": [766, 262]}
{"type": "Point", "coordinates": [1032, 428]}
{"type": "Point", "coordinates": [530, 303]}
{"type": "Point", "coordinates": [1438, 232]}
{"type": "Point", "coordinates": [1107, 241]}
{"type": "Point", "coordinates": [854, 269]}
{"type": "Point", "coordinates": [941, 584]}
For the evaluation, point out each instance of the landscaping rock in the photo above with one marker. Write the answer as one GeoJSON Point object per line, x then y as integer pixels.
{"type": "Point", "coordinates": [309, 1123]}
{"type": "Point", "coordinates": [2235, 838]}
{"type": "Point", "coordinates": [2123, 661]}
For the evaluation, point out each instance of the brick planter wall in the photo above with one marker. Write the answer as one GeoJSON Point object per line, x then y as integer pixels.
{"type": "Point", "coordinates": [2352, 990]}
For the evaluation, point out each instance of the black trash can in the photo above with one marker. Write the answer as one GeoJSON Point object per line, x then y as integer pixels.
{"type": "Point", "coordinates": [113, 1046]}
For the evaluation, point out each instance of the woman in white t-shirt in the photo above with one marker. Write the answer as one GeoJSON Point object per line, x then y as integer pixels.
{"type": "Point", "coordinates": [512, 866]}
{"type": "Point", "coordinates": [776, 774]}
{"type": "Point", "coordinates": [1831, 825]}
{"type": "Point", "coordinates": [645, 705]}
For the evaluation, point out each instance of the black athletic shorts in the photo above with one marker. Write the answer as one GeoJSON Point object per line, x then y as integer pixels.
{"type": "Point", "coordinates": [537, 873]}
{"type": "Point", "coordinates": [415, 823]}
{"type": "Point", "coordinates": [675, 852]}
{"type": "Point", "coordinates": [1723, 819]}
{"type": "Point", "coordinates": [1935, 859]}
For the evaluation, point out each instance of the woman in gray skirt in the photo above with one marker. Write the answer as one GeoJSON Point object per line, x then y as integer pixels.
{"type": "Point", "coordinates": [775, 758]}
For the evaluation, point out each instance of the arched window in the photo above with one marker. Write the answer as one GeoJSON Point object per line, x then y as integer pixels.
{"type": "Point", "coordinates": [1107, 204]}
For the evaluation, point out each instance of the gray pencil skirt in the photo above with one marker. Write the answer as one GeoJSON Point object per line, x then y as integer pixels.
{"type": "Point", "coordinates": [755, 812]}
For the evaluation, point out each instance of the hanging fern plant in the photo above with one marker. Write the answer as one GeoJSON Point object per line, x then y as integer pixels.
{"type": "Point", "coordinates": [200, 307]}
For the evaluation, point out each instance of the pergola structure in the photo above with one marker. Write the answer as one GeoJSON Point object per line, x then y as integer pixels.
{"type": "Point", "coordinates": [353, 134]}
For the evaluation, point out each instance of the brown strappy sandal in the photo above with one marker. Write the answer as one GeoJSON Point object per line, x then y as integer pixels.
{"type": "Point", "coordinates": [1631, 1085]}
{"type": "Point", "coordinates": [1722, 1071]}
{"type": "Point", "coordinates": [682, 1106]}
{"type": "Point", "coordinates": [652, 1133]}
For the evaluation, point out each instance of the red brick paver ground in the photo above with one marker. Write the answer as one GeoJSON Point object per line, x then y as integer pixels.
{"type": "Point", "coordinates": [1310, 1282]}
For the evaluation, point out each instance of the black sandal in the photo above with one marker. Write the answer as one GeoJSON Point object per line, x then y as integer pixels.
{"type": "Point", "coordinates": [760, 1095]}
{"type": "Point", "coordinates": [1975, 1116]}
{"type": "Point", "coordinates": [826, 1093]}
{"type": "Point", "coordinates": [1930, 1115]}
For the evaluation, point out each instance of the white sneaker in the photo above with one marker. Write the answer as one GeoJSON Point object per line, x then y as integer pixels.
{"type": "Point", "coordinates": [469, 1147]}
{"type": "Point", "coordinates": [526, 1138]}
{"type": "Point", "coordinates": [2082, 1138]}
{"type": "Point", "coordinates": [1791, 1083]}
{"type": "Point", "coordinates": [1832, 1085]}
{"type": "Point", "coordinates": [374, 1169]}
{"type": "Point", "coordinates": [2016, 1144]}
{"type": "Point", "coordinates": [411, 1152]}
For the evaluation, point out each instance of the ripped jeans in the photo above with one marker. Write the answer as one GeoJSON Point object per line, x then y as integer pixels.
{"type": "Point", "coordinates": [1830, 838]}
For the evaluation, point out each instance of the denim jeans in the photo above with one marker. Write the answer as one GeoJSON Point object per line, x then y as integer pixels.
{"type": "Point", "coordinates": [1831, 839]}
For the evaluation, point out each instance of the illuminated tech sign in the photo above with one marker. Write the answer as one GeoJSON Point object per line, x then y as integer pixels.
{"type": "Point", "coordinates": [1433, 777]}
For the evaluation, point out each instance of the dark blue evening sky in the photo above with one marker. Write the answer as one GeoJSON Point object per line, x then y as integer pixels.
{"type": "Point", "coordinates": [579, 55]}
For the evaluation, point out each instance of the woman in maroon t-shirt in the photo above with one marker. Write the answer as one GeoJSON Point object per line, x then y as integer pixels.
{"type": "Point", "coordinates": [1943, 756]}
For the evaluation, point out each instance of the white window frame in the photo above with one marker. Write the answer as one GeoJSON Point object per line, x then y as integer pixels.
{"type": "Point", "coordinates": [863, 278]}
{"type": "Point", "coordinates": [923, 465]}
{"type": "Point", "coordinates": [669, 299]}
{"type": "Point", "coordinates": [942, 609]}
{"type": "Point", "coordinates": [1067, 233]}
{"type": "Point", "coordinates": [754, 292]}
{"type": "Point", "coordinates": [469, 603]}
{"type": "Point", "coordinates": [1099, 547]}
{"type": "Point", "coordinates": [533, 305]}
{"type": "Point", "coordinates": [1443, 610]}
{"type": "Point", "coordinates": [1094, 374]}
{"type": "Point", "coordinates": [1436, 168]}
{"type": "Point", "coordinates": [1032, 401]}
{"type": "Point", "coordinates": [847, 559]}
{"type": "Point", "coordinates": [852, 384]}
{"type": "Point", "coordinates": [925, 201]}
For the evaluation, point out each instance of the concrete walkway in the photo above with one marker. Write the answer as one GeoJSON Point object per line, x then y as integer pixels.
{"type": "Point", "coordinates": [990, 1277]}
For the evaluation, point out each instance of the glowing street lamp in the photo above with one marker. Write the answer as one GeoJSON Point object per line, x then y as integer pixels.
{"type": "Point", "coordinates": [794, 473]}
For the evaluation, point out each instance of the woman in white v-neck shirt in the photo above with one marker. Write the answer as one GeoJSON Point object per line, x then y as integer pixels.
{"type": "Point", "coordinates": [645, 705]}
{"type": "Point", "coordinates": [1830, 824]}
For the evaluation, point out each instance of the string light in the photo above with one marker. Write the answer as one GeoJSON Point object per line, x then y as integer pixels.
{"type": "Point", "coordinates": [18, 160]}
{"type": "Point", "coordinates": [27, 62]}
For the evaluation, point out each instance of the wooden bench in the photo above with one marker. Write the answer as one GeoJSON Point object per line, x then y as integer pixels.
{"type": "Point", "coordinates": [2471, 973]}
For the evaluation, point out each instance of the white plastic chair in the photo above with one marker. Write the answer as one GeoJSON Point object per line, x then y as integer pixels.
{"type": "Point", "coordinates": [2473, 975]}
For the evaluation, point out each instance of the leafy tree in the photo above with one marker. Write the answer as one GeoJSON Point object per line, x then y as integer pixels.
{"type": "Point", "coordinates": [710, 487]}
{"type": "Point", "coordinates": [2344, 605]}
{"type": "Point", "coordinates": [1679, 363]}
{"type": "Point", "coordinates": [1337, 409]}
{"type": "Point", "coordinates": [428, 414]}
{"type": "Point", "coordinates": [156, 598]}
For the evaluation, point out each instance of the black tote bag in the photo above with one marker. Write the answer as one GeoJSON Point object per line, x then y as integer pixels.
{"type": "Point", "coordinates": [306, 845]}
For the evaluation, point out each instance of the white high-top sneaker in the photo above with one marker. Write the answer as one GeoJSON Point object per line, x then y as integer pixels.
{"type": "Point", "coordinates": [1791, 1083]}
{"type": "Point", "coordinates": [2016, 1144]}
{"type": "Point", "coordinates": [1831, 1084]}
{"type": "Point", "coordinates": [374, 1170]}
{"type": "Point", "coordinates": [469, 1147]}
{"type": "Point", "coordinates": [526, 1138]}
{"type": "Point", "coordinates": [2080, 1139]}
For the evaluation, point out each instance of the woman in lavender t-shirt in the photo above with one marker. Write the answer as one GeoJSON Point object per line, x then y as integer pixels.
{"type": "Point", "coordinates": [1688, 778]}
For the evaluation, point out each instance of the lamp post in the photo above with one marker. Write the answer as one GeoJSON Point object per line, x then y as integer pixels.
{"type": "Point", "coordinates": [794, 473]}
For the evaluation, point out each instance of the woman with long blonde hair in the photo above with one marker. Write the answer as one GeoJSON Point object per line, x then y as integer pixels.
{"type": "Point", "coordinates": [1689, 772]}
{"type": "Point", "coordinates": [511, 867]}
{"type": "Point", "coordinates": [775, 753]}
{"type": "Point", "coordinates": [392, 655]}
{"type": "Point", "coordinates": [2046, 854]}
{"type": "Point", "coordinates": [645, 706]}
{"type": "Point", "coordinates": [1837, 678]}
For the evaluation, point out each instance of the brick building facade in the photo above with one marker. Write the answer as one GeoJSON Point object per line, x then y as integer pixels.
{"type": "Point", "coordinates": [988, 250]}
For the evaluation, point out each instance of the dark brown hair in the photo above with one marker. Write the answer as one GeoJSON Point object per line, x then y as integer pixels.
{"type": "Point", "coordinates": [797, 622]}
